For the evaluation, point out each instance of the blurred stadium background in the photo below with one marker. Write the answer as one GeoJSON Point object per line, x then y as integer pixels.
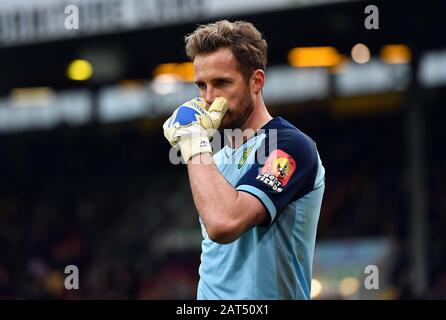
{"type": "Point", "coordinates": [85, 173]}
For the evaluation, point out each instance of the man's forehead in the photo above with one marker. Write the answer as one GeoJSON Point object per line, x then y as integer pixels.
{"type": "Point", "coordinates": [219, 61]}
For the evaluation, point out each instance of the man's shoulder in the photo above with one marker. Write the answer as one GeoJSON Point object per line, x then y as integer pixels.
{"type": "Point", "coordinates": [287, 134]}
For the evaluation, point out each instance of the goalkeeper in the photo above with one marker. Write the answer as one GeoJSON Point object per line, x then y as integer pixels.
{"type": "Point", "coordinates": [258, 215]}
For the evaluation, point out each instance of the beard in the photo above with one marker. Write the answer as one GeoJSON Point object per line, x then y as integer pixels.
{"type": "Point", "coordinates": [235, 118]}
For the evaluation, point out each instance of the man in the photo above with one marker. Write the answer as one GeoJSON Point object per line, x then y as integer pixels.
{"type": "Point", "coordinates": [258, 214]}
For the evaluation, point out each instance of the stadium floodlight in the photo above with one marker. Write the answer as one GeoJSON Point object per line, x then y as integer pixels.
{"type": "Point", "coordinates": [31, 97]}
{"type": "Point", "coordinates": [314, 57]}
{"type": "Point", "coordinates": [348, 286]}
{"type": "Point", "coordinates": [395, 54]}
{"type": "Point", "coordinates": [360, 53]}
{"type": "Point", "coordinates": [79, 70]}
{"type": "Point", "coordinates": [316, 288]}
{"type": "Point", "coordinates": [184, 71]}
{"type": "Point", "coordinates": [166, 84]}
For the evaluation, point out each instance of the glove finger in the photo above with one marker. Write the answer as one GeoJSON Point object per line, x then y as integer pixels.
{"type": "Point", "coordinates": [220, 105]}
{"type": "Point", "coordinates": [169, 131]}
{"type": "Point", "coordinates": [217, 110]}
{"type": "Point", "coordinates": [200, 102]}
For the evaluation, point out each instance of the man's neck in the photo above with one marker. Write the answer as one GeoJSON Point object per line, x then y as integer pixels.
{"type": "Point", "coordinates": [256, 120]}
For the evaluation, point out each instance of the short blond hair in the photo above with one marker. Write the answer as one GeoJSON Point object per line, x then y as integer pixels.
{"type": "Point", "coordinates": [245, 41]}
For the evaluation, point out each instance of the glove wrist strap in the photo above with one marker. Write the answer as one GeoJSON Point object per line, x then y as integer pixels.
{"type": "Point", "coordinates": [193, 145]}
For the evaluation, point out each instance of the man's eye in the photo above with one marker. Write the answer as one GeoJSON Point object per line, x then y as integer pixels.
{"type": "Point", "coordinates": [221, 82]}
{"type": "Point", "coordinates": [201, 85]}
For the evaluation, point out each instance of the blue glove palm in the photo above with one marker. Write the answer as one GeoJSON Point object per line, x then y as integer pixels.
{"type": "Point", "coordinates": [191, 125]}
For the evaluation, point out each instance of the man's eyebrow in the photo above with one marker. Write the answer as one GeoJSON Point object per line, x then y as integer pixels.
{"type": "Point", "coordinates": [197, 82]}
{"type": "Point", "coordinates": [222, 78]}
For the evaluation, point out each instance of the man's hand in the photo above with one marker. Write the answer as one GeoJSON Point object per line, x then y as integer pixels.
{"type": "Point", "coordinates": [191, 125]}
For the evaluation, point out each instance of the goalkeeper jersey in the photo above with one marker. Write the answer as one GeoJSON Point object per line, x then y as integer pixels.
{"type": "Point", "coordinates": [281, 167]}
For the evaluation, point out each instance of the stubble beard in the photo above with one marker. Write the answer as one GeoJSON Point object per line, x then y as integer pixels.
{"type": "Point", "coordinates": [236, 118]}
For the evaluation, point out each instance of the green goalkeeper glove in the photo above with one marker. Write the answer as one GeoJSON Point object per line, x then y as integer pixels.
{"type": "Point", "coordinates": [191, 125]}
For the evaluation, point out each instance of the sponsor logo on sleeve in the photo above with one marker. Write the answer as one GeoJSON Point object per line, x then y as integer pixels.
{"type": "Point", "coordinates": [277, 171]}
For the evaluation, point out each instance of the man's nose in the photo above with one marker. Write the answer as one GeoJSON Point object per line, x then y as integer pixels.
{"type": "Point", "coordinates": [210, 95]}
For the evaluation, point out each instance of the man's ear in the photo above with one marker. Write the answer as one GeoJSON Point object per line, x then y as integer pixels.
{"type": "Point", "coordinates": [257, 81]}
